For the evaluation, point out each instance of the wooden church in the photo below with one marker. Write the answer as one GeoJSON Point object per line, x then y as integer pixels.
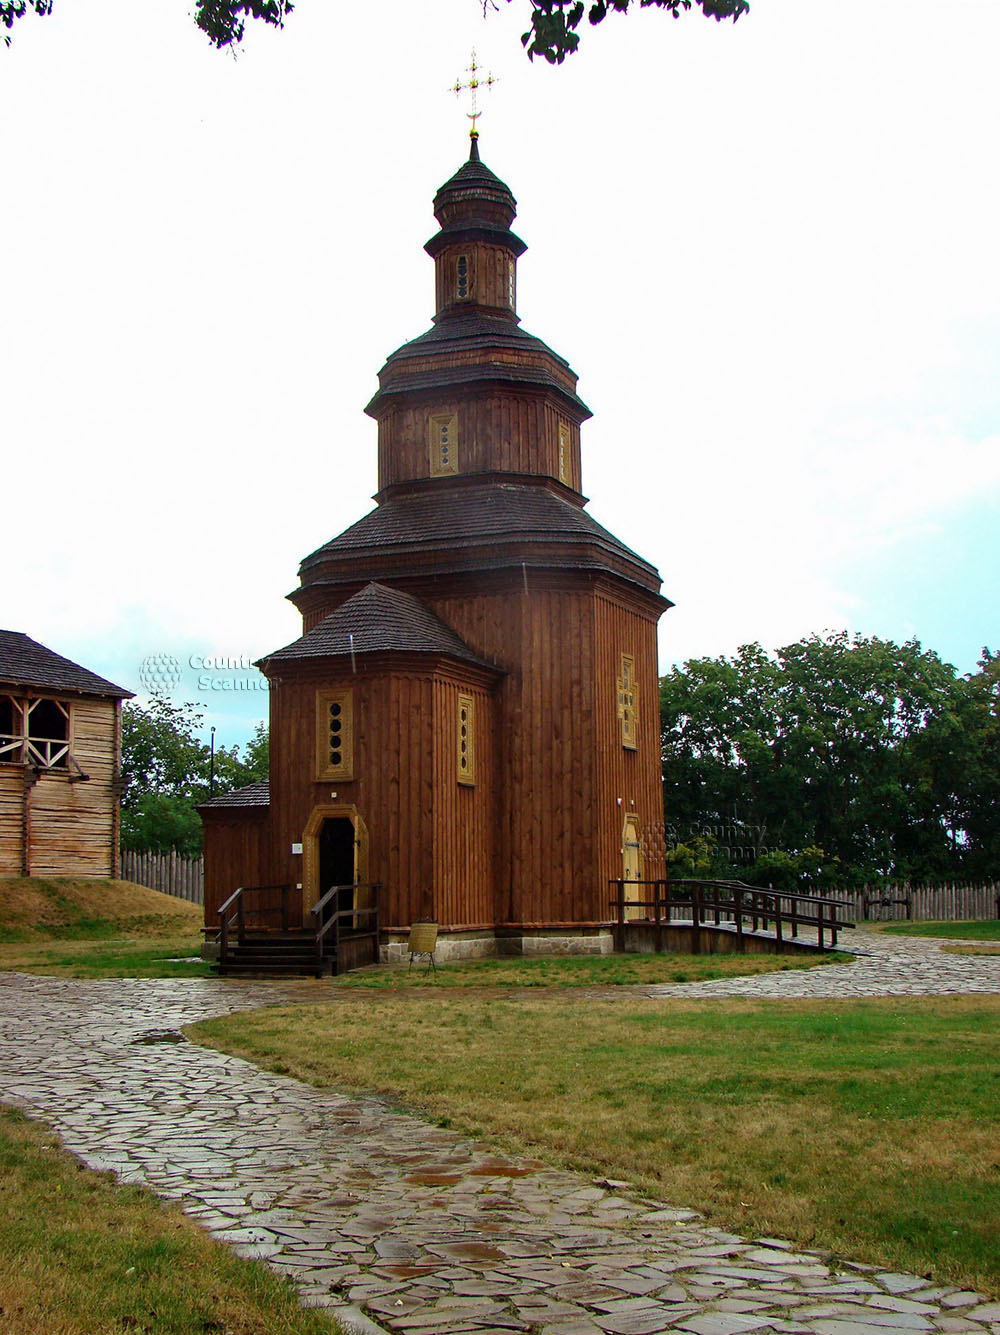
{"type": "Point", "coordinates": [470, 717]}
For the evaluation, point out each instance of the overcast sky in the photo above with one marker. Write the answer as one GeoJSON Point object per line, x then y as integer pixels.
{"type": "Point", "coordinates": [769, 250]}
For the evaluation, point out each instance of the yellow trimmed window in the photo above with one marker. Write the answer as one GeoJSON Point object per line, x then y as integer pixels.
{"type": "Point", "coordinates": [443, 444]}
{"type": "Point", "coordinates": [564, 453]}
{"type": "Point", "coordinates": [627, 703]}
{"type": "Point", "coordinates": [465, 738]}
{"type": "Point", "coordinates": [463, 277]}
{"type": "Point", "coordinates": [511, 285]}
{"type": "Point", "coordinates": [335, 734]}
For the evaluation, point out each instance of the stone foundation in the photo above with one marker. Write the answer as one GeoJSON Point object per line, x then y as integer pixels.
{"type": "Point", "coordinates": [454, 946]}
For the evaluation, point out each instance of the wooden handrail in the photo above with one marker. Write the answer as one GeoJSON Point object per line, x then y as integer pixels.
{"type": "Point", "coordinates": [734, 900]}
{"type": "Point", "coordinates": [335, 918]}
{"type": "Point", "coordinates": [239, 918]}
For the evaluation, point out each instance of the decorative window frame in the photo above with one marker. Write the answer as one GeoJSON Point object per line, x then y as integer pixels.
{"type": "Point", "coordinates": [24, 746]}
{"type": "Point", "coordinates": [465, 740]}
{"type": "Point", "coordinates": [565, 445]}
{"type": "Point", "coordinates": [442, 444]}
{"type": "Point", "coordinates": [326, 702]}
{"type": "Point", "coordinates": [463, 277]}
{"type": "Point", "coordinates": [627, 704]}
{"type": "Point", "coordinates": [12, 743]}
{"type": "Point", "coordinates": [512, 285]}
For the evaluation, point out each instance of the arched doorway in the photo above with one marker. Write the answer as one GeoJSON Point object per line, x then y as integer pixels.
{"type": "Point", "coordinates": [335, 852]}
{"type": "Point", "coordinates": [338, 861]}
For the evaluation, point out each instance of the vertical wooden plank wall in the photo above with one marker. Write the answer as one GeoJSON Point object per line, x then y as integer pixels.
{"type": "Point", "coordinates": [627, 780]}
{"type": "Point", "coordinates": [464, 814]}
{"type": "Point", "coordinates": [73, 822]}
{"type": "Point", "coordinates": [497, 433]}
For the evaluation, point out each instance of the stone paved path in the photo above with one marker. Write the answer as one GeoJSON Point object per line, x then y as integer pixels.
{"type": "Point", "coordinates": [900, 966]}
{"type": "Point", "coordinates": [421, 1228]}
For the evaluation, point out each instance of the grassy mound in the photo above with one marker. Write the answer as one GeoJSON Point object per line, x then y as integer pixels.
{"type": "Point", "coordinates": [74, 909]}
{"type": "Point", "coordinates": [97, 929]}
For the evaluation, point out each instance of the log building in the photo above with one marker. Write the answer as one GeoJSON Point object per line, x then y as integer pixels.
{"type": "Point", "coordinates": [60, 756]}
{"type": "Point", "coordinates": [470, 717]}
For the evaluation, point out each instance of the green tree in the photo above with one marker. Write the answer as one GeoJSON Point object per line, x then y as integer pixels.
{"type": "Point", "coordinates": [166, 774]}
{"type": "Point", "coordinates": [553, 33]}
{"type": "Point", "coordinates": [955, 765]}
{"type": "Point", "coordinates": [813, 747]}
{"type": "Point", "coordinates": [233, 770]}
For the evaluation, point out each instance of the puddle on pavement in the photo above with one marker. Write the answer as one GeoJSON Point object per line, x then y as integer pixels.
{"type": "Point", "coordinates": [161, 1036]}
{"type": "Point", "coordinates": [476, 1251]}
{"type": "Point", "coordinates": [433, 1179]}
{"type": "Point", "coordinates": [499, 1168]}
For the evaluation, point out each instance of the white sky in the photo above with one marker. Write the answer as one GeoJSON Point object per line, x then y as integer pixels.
{"type": "Point", "coordinates": [769, 250]}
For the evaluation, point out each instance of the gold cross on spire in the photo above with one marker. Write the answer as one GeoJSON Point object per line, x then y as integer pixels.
{"type": "Point", "coordinates": [476, 81]}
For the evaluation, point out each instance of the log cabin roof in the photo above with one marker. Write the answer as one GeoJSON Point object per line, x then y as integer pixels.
{"type": "Point", "coordinates": [25, 662]}
{"type": "Point", "coordinates": [253, 795]}
{"type": "Point", "coordinates": [378, 620]}
{"type": "Point", "coordinates": [477, 515]}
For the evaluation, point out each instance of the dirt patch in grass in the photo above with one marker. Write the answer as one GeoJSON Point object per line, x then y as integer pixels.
{"type": "Point", "coordinates": [83, 1255]}
{"type": "Point", "coordinates": [988, 930]}
{"type": "Point", "coordinates": [867, 1127]}
{"type": "Point", "coordinates": [971, 950]}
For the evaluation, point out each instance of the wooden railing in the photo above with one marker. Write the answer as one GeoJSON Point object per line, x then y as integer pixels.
{"type": "Point", "coordinates": [237, 902]}
{"type": "Point", "coordinates": [332, 923]}
{"type": "Point", "coordinates": [725, 903]}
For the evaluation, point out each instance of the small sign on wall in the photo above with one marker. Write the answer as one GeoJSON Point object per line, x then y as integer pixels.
{"type": "Point", "coordinates": [296, 848]}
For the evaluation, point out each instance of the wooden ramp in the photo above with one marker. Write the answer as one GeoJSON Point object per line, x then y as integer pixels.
{"type": "Point", "coordinates": [711, 917]}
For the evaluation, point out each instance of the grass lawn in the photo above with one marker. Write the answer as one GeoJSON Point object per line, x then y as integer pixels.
{"type": "Point", "coordinates": [85, 1256]}
{"type": "Point", "coordinates": [97, 929]}
{"type": "Point", "coordinates": [967, 931]}
{"type": "Point", "coordinates": [581, 970]}
{"type": "Point", "coordinates": [871, 1128]}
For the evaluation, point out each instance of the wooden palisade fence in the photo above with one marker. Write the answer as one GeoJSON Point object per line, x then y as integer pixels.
{"type": "Point", "coordinates": [172, 873]}
{"type": "Point", "coordinates": [899, 901]}
{"type": "Point", "coordinates": [949, 902]}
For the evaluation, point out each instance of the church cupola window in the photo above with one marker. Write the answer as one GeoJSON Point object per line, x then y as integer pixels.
{"type": "Point", "coordinates": [443, 444]}
{"type": "Point", "coordinates": [463, 281]}
{"type": "Point", "coordinates": [564, 453]}
{"type": "Point", "coordinates": [335, 734]}
{"type": "Point", "coordinates": [511, 285]}
{"type": "Point", "coordinates": [627, 703]}
{"type": "Point", "coordinates": [465, 739]}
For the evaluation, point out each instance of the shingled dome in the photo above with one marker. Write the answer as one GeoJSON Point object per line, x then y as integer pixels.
{"type": "Point", "coordinates": [377, 620]}
{"type": "Point", "coordinates": [474, 199]}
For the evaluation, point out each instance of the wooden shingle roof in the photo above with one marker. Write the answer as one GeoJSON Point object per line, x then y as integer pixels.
{"type": "Point", "coordinates": [378, 620]}
{"type": "Point", "coordinates": [253, 795]}
{"type": "Point", "coordinates": [454, 520]}
{"type": "Point", "coordinates": [25, 662]}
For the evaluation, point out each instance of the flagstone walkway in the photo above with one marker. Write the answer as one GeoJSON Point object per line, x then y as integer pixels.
{"type": "Point", "coordinates": [398, 1225]}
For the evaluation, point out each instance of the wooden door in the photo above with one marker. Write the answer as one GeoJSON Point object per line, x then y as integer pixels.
{"type": "Point", "coordinates": [338, 862]}
{"type": "Point", "coordinates": [632, 866]}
